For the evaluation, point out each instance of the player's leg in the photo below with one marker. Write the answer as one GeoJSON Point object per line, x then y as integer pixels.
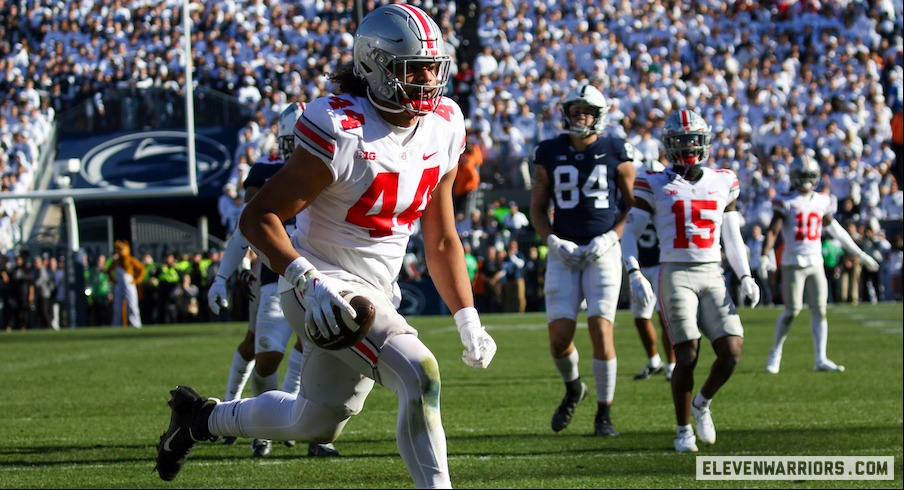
{"type": "Point", "coordinates": [667, 348]}
{"type": "Point", "coordinates": [601, 284]}
{"type": "Point", "coordinates": [271, 336]}
{"type": "Point", "coordinates": [562, 290]}
{"type": "Point", "coordinates": [679, 302]}
{"type": "Point", "coordinates": [719, 322]}
{"type": "Point", "coordinates": [816, 295]}
{"type": "Point", "coordinates": [408, 368]}
{"type": "Point", "coordinates": [647, 334]}
{"type": "Point", "coordinates": [793, 283]}
{"type": "Point", "coordinates": [292, 384]}
{"type": "Point", "coordinates": [292, 378]}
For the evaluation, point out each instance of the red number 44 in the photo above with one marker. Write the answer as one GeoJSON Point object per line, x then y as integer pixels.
{"type": "Point", "coordinates": [386, 184]}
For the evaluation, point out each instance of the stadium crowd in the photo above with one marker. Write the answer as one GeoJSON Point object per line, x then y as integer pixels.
{"type": "Point", "coordinates": [773, 78]}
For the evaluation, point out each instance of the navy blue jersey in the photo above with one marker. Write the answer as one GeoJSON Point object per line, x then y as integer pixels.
{"type": "Point", "coordinates": [648, 247]}
{"type": "Point", "coordinates": [584, 192]}
{"type": "Point", "coordinates": [259, 173]}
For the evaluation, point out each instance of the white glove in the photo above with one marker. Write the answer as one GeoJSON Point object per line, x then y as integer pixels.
{"type": "Point", "coordinates": [869, 263]}
{"type": "Point", "coordinates": [216, 295]}
{"type": "Point", "coordinates": [567, 251]}
{"type": "Point", "coordinates": [764, 265]}
{"type": "Point", "coordinates": [641, 290]}
{"type": "Point", "coordinates": [318, 298]}
{"type": "Point", "coordinates": [750, 290]}
{"type": "Point", "coordinates": [599, 246]}
{"type": "Point", "coordinates": [479, 346]}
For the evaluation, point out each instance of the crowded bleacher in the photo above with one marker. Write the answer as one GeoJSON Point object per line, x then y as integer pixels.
{"type": "Point", "coordinates": [772, 78]}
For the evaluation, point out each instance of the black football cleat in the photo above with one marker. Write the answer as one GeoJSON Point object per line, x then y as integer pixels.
{"type": "Point", "coordinates": [562, 416]}
{"type": "Point", "coordinates": [188, 425]}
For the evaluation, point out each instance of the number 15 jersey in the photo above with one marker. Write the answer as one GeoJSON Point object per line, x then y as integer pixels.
{"type": "Point", "coordinates": [688, 214]}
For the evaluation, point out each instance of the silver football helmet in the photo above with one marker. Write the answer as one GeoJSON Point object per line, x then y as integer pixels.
{"type": "Point", "coordinates": [804, 173]}
{"type": "Point", "coordinates": [585, 95]}
{"type": "Point", "coordinates": [285, 137]}
{"type": "Point", "coordinates": [686, 138]}
{"type": "Point", "coordinates": [387, 42]}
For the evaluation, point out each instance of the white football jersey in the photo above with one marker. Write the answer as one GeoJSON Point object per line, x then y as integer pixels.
{"type": "Point", "coordinates": [802, 216]}
{"type": "Point", "coordinates": [688, 215]}
{"type": "Point", "coordinates": [361, 222]}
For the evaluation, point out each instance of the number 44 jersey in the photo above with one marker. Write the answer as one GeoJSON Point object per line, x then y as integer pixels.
{"type": "Point", "coordinates": [384, 177]}
{"type": "Point", "coordinates": [688, 214]}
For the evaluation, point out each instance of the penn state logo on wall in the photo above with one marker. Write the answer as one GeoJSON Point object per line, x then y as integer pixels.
{"type": "Point", "coordinates": [153, 159]}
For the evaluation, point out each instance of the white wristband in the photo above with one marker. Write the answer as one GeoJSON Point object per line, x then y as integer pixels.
{"type": "Point", "coordinates": [296, 269]}
{"type": "Point", "coordinates": [466, 317]}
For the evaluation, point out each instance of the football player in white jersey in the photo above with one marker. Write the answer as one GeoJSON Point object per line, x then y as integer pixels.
{"type": "Point", "coordinates": [370, 162]}
{"type": "Point", "coordinates": [580, 173]}
{"type": "Point", "coordinates": [801, 215]}
{"type": "Point", "coordinates": [268, 331]}
{"type": "Point", "coordinates": [692, 206]}
{"type": "Point", "coordinates": [648, 259]}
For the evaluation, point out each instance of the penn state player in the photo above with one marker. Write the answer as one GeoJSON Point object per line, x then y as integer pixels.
{"type": "Point", "coordinates": [580, 173]}
{"type": "Point", "coordinates": [269, 344]}
{"type": "Point", "coordinates": [800, 216]}
{"type": "Point", "coordinates": [648, 259]}
{"type": "Point", "coordinates": [370, 162]}
{"type": "Point", "coordinates": [691, 206]}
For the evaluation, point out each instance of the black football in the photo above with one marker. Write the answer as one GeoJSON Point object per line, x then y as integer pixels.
{"type": "Point", "coordinates": [351, 330]}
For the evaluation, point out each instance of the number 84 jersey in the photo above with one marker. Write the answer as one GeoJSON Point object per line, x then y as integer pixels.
{"type": "Point", "coordinates": [688, 214]}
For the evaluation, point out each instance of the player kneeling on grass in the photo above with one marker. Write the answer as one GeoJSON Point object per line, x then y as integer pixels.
{"type": "Point", "coordinates": [691, 206]}
{"type": "Point", "coordinates": [801, 215]}
{"type": "Point", "coordinates": [369, 163]}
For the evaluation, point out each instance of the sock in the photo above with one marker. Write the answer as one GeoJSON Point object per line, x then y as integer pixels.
{"type": "Point", "coordinates": [262, 384]}
{"type": "Point", "coordinates": [655, 362]}
{"type": "Point", "coordinates": [701, 401]}
{"type": "Point", "coordinates": [684, 429]}
{"type": "Point", "coordinates": [568, 366]}
{"type": "Point", "coordinates": [238, 376]}
{"type": "Point", "coordinates": [602, 411]}
{"type": "Point", "coordinates": [292, 380]}
{"type": "Point", "coordinates": [604, 374]}
{"type": "Point", "coordinates": [782, 327]}
{"type": "Point", "coordinates": [820, 329]}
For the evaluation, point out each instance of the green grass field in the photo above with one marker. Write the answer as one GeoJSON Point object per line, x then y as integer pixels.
{"type": "Point", "coordinates": [83, 408]}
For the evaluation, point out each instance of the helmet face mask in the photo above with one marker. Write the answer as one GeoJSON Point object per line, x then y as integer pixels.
{"type": "Point", "coordinates": [585, 96]}
{"type": "Point", "coordinates": [399, 51]}
{"type": "Point", "coordinates": [285, 137]}
{"type": "Point", "coordinates": [686, 138]}
{"type": "Point", "coordinates": [804, 173]}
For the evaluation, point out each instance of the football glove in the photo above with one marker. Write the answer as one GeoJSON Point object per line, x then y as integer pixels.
{"type": "Point", "coordinates": [599, 246]}
{"type": "Point", "coordinates": [641, 290]}
{"type": "Point", "coordinates": [750, 290]}
{"type": "Point", "coordinates": [318, 298]}
{"type": "Point", "coordinates": [764, 265]}
{"type": "Point", "coordinates": [479, 346]}
{"type": "Point", "coordinates": [216, 295]}
{"type": "Point", "coordinates": [567, 251]}
{"type": "Point", "coordinates": [869, 263]}
{"type": "Point", "coordinates": [246, 282]}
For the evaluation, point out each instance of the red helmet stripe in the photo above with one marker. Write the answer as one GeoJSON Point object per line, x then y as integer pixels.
{"type": "Point", "coordinates": [427, 36]}
{"type": "Point", "coordinates": [685, 119]}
